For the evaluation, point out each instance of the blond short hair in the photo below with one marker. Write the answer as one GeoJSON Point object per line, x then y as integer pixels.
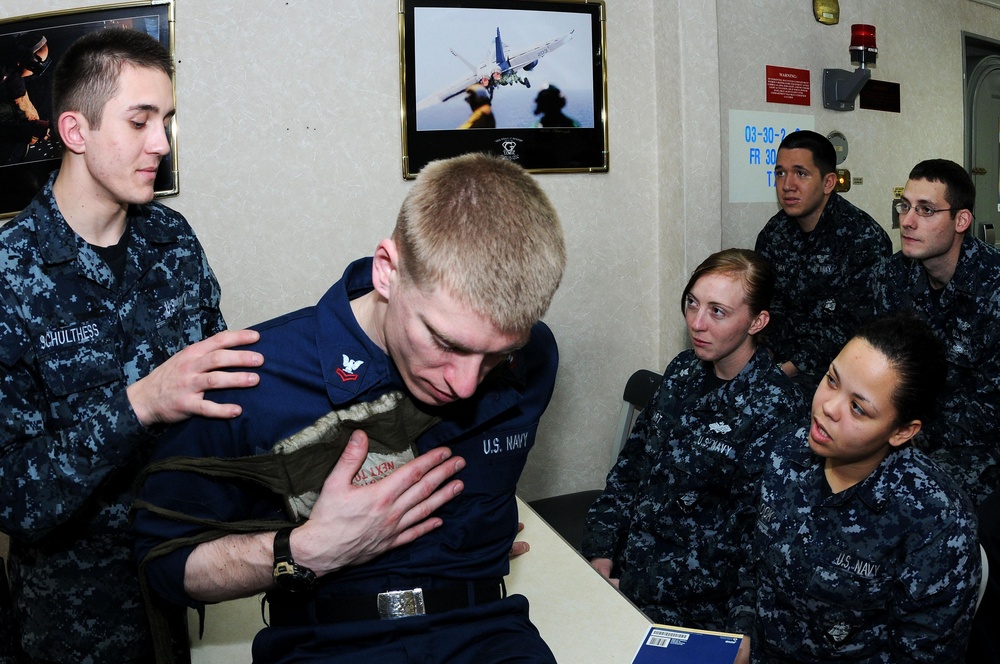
{"type": "Point", "coordinates": [481, 228]}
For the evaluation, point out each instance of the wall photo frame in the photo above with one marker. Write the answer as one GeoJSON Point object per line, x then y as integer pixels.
{"type": "Point", "coordinates": [30, 47]}
{"type": "Point", "coordinates": [525, 80]}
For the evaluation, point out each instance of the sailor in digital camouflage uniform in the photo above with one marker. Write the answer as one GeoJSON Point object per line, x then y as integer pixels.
{"type": "Point", "coordinates": [679, 503]}
{"type": "Point", "coordinates": [821, 248]}
{"type": "Point", "coordinates": [951, 280]}
{"type": "Point", "coordinates": [98, 287]}
{"type": "Point", "coordinates": [864, 550]}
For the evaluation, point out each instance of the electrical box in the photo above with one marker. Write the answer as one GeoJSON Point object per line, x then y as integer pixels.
{"type": "Point", "coordinates": [843, 180]}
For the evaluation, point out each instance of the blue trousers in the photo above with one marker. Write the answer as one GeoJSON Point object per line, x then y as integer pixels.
{"type": "Point", "coordinates": [494, 633]}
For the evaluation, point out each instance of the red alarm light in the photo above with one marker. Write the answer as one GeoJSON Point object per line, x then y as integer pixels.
{"type": "Point", "coordinates": [863, 49]}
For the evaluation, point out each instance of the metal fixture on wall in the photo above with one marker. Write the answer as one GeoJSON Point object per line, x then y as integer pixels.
{"type": "Point", "coordinates": [841, 87]}
{"type": "Point", "coordinates": [827, 11]}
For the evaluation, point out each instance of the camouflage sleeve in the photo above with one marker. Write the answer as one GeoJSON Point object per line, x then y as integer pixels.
{"type": "Point", "coordinates": [855, 299]}
{"type": "Point", "coordinates": [779, 410]}
{"type": "Point", "coordinates": [609, 517]}
{"type": "Point", "coordinates": [775, 333]}
{"type": "Point", "coordinates": [933, 615]}
{"type": "Point", "coordinates": [212, 321]}
{"type": "Point", "coordinates": [47, 476]}
{"type": "Point", "coordinates": [878, 292]}
{"type": "Point", "coordinates": [743, 602]}
{"type": "Point", "coordinates": [786, 409]}
{"type": "Point", "coordinates": [864, 259]}
{"type": "Point", "coordinates": [970, 407]}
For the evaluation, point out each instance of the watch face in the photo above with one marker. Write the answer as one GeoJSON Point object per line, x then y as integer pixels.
{"type": "Point", "coordinates": [292, 577]}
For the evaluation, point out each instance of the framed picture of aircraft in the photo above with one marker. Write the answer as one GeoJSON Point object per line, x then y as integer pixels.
{"type": "Point", "coordinates": [30, 47]}
{"type": "Point", "coordinates": [522, 79]}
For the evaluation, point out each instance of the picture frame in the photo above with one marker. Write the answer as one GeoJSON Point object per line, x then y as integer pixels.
{"type": "Point", "coordinates": [525, 80]}
{"type": "Point", "coordinates": [30, 46]}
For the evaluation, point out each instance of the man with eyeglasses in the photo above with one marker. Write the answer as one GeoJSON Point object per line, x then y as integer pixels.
{"type": "Point", "coordinates": [951, 279]}
{"type": "Point", "coordinates": [821, 248]}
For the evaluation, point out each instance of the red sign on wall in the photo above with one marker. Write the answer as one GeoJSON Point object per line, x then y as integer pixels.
{"type": "Point", "coordinates": [786, 85]}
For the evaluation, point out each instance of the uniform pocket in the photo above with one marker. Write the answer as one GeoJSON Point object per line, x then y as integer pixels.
{"type": "Point", "coordinates": [167, 313]}
{"type": "Point", "coordinates": [78, 358]}
{"type": "Point", "coordinates": [848, 607]}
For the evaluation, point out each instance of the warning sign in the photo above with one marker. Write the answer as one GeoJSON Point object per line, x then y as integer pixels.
{"type": "Point", "coordinates": [787, 86]}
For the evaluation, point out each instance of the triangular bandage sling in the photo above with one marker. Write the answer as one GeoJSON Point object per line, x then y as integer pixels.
{"type": "Point", "coordinates": [295, 470]}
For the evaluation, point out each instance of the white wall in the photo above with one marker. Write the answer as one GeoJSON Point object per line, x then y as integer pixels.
{"type": "Point", "coordinates": [290, 161]}
{"type": "Point", "coordinates": [289, 148]}
{"type": "Point", "coordinates": [920, 47]}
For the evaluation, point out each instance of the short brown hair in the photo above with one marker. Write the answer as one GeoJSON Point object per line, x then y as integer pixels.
{"type": "Point", "coordinates": [88, 74]}
{"type": "Point", "coordinates": [751, 269]}
{"type": "Point", "coordinates": [959, 189]}
{"type": "Point", "coordinates": [481, 228]}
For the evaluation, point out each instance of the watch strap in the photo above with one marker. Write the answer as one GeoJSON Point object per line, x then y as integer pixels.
{"type": "Point", "coordinates": [283, 545]}
{"type": "Point", "coordinates": [288, 574]}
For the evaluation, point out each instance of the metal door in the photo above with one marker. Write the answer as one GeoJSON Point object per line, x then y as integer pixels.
{"type": "Point", "coordinates": [984, 143]}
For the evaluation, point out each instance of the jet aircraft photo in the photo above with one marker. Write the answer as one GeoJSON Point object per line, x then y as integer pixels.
{"type": "Point", "coordinates": [501, 69]}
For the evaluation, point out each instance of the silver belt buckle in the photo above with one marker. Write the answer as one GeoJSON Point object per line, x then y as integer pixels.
{"type": "Point", "coordinates": [401, 604]}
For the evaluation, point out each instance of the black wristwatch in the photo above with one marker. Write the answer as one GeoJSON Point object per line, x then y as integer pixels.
{"type": "Point", "coordinates": [289, 575]}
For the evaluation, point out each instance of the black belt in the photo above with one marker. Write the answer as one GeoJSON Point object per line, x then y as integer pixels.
{"type": "Point", "coordinates": [288, 609]}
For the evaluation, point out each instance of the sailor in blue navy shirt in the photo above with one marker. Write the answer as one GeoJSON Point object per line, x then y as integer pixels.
{"type": "Point", "coordinates": [447, 312]}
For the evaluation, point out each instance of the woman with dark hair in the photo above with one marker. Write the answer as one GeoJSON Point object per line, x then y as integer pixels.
{"type": "Point", "coordinates": [670, 528]}
{"type": "Point", "coordinates": [864, 550]}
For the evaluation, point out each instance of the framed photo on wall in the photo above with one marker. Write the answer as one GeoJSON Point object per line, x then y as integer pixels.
{"type": "Point", "coordinates": [30, 47]}
{"type": "Point", "coordinates": [524, 80]}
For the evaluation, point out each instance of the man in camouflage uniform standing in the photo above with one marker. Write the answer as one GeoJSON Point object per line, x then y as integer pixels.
{"type": "Point", "coordinates": [821, 248]}
{"type": "Point", "coordinates": [101, 290]}
{"type": "Point", "coordinates": [951, 279]}
{"type": "Point", "coordinates": [108, 311]}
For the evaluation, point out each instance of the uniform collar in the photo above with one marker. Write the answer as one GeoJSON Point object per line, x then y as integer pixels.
{"type": "Point", "coordinates": [874, 491]}
{"type": "Point", "coordinates": [965, 279]}
{"type": "Point", "coordinates": [878, 488]}
{"type": "Point", "coordinates": [59, 243]}
{"type": "Point", "coordinates": [970, 259]}
{"type": "Point", "coordinates": [830, 214]}
{"type": "Point", "coordinates": [150, 222]}
{"type": "Point", "coordinates": [352, 363]}
{"type": "Point", "coordinates": [733, 393]}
